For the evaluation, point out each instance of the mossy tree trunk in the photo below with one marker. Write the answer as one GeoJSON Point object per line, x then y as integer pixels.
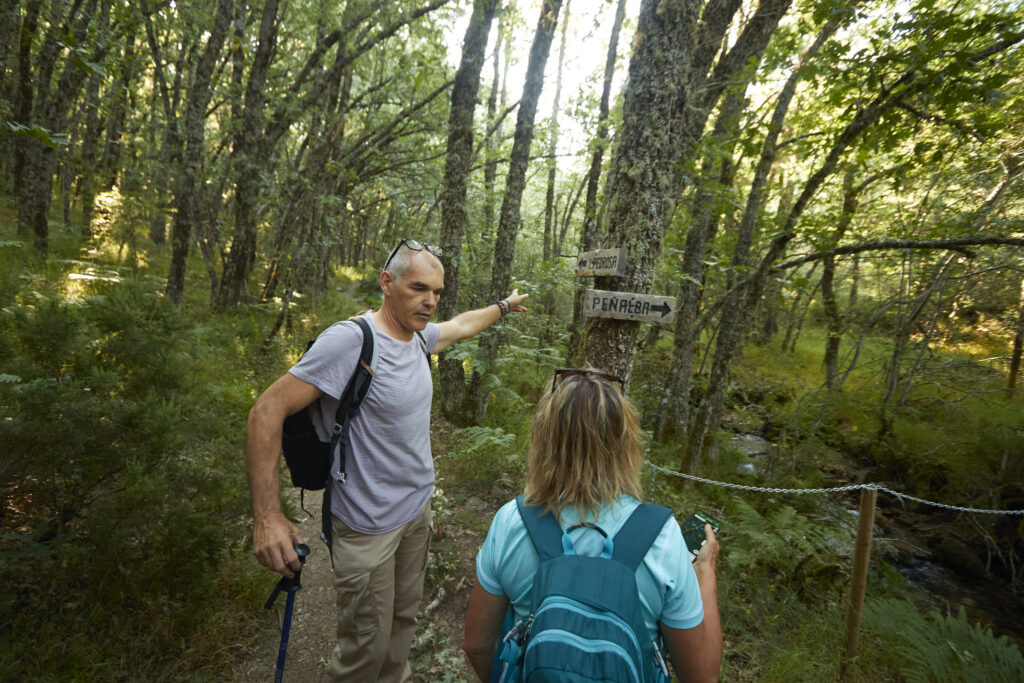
{"type": "Point", "coordinates": [247, 155]}
{"type": "Point", "coordinates": [454, 217]}
{"type": "Point", "coordinates": [509, 215]}
{"type": "Point", "coordinates": [591, 219]}
{"type": "Point", "coordinates": [187, 192]}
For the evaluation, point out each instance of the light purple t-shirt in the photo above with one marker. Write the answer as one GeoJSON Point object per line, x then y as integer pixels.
{"type": "Point", "coordinates": [389, 468]}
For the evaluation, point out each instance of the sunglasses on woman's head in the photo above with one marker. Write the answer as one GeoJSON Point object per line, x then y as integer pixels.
{"type": "Point", "coordinates": [563, 373]}
{"type": "Point", "coordinates": [413, 245]}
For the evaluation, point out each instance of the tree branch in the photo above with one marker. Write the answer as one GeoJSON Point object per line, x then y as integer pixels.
{"type": "Point", "coordinates": [958, 244]}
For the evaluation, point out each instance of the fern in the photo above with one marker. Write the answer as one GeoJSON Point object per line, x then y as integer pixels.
{"type": "Point", "coordinates": [941, 648]}
{"type": "Point", "coordinates": [491, 438]}
{"type": "Point", "coordinates": [782, 539]}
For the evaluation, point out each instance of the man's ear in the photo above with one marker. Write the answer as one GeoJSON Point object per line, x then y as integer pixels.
{"type": "Point", "coordinates": [386, 280]}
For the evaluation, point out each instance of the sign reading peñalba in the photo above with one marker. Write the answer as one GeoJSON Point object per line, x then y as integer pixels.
{"type": "Point", "coordinates": [598, 303]}
{"type": "Point", "coordinates": [602, 262]}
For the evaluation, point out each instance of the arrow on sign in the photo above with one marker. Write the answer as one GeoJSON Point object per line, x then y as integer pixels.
{"type": "Point", "coordinates": [664, 308]}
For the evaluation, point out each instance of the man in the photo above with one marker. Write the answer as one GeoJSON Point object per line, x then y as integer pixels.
{"type": "Point", "coordinates": [381, 514]}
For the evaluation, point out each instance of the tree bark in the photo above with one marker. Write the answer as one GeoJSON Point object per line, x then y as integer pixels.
{"type": "Point", "coordinates": [86, 166]}
{"type": "Point", "coordinates": [508, 220]}
{"type": "Point", "coordinates": [454, 216]}
{"type": "Point", "coordinates": [591, 225]}
{"type": "Point", "coordinates": [247, 163]}
{"type": "Point", "coordinates": [549, 198]}
{"type": "Point", "coordinates": [717, 175]}
{"type": "Point", "coordinates": [50, 110]}
{"type": "Point", "coordinates": [110, 163]}
{"type": "Point", "coordinates": [186, 195]}
{"type": "Point", "coordinates": [828, 296]}
{"type": "Point", "coordinates": [731, 323]}
{"type": "Point", "coordinates": [1018, 345]}
{"type": "Point", "coordinates": [22, 109]}
{"type": "Point", "coordinates": [642, 183]}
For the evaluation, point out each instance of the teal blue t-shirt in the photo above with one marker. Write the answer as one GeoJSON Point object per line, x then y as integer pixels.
{"type": "Point", "coordinates": [507, 563]}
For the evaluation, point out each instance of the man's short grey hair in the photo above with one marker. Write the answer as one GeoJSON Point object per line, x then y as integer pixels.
{"type": "Point", "coordinates": [402, 262]}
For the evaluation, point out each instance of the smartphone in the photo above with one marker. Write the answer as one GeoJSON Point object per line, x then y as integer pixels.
{"type": "Point", "coordinates": [693, 531]}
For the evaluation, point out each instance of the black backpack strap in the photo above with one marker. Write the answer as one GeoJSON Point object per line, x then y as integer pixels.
{"type": "Point", "coordinates": [423, 341]}
{"type": "Point", "coordinates": [348, 406]}
{"type": "Point", "coordinates": [544, 530]}
{"type": "Point", "coordinates": [353, 397]}
{"type": "Point", "coordinates": [639, 532]}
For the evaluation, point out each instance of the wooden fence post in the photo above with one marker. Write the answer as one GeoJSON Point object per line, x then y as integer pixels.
{"type": "Point", "coordinates": [861, 560]}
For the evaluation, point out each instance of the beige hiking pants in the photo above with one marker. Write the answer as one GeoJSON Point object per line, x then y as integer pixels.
{"type": "Point", "coordinates": [379, 583]}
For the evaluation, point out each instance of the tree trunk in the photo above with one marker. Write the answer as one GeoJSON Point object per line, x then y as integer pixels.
{"type": "Point", "coordinates": [10, 15]}
{"type": "Point", "coordinates": [247, 157]}
{"type": "Point", "coordinates": [641, 187]}
{"type": "Point", "coordinates": [591, 227]}
{"type": "Point", "coordinates": [110, 163]}
{"type": "Point", "coordinates": [549, 199]}
{"type": "Point", "coordinates": [717, 175]}
{"type": "Point", "coordinates": [85, 168]}
{"type": "Point", "coordinates": [454, 217]}
{"type": "Point", "coordinates": [22, 109]}
{"type": "Point", "coordinates": [828, 295]}
{"type": "Point", "coordinates": [186, 195]}
{"type": "Point", "coordinates": [733, 318]}
{"type": "Point", "coordinates": [1018, 345]}
{"type": "Point", "coordinates": [508, 220]}
{"type": "Point", "coordinates": [50, 110]}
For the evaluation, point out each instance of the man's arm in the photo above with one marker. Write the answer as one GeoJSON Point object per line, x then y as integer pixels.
{"type": "Point", "coordinates": [697, 652]}
{"type": "Point", "coordinates": [472, 323]}
{"type": "Point", "coordinates": [482, 629]}
{"type": "Point", "coordinates": [273, 535]}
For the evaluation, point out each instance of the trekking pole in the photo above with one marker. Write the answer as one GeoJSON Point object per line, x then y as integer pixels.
{"type": "Point", "coordinates": [291, 587]}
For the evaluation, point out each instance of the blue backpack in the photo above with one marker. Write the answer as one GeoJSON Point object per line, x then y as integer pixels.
{"type": "Point", "coordinates": [585, 621]}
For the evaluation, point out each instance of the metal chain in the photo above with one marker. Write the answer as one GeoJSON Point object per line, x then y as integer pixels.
{"type": "Point", "coordinates": [835, 489]}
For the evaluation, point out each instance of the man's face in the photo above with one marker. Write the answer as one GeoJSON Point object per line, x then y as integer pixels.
{"type": "Point", "coordinates": [413, 299]}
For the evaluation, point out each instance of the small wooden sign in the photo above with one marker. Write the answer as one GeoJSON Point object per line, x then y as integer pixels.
{"type": "Point", "coordinates": [602, 262]}
{"type": "Point", "coordinates": [598, 303]}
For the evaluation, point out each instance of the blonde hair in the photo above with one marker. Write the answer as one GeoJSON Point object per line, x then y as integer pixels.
{"type": "Point", "coordinates": [584, 447]}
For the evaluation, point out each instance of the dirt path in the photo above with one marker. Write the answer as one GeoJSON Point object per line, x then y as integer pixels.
{"type": "Point", "coordinates": [436, 655]}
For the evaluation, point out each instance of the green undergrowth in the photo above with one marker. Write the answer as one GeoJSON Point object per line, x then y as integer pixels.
{"type": "Point", "coordinates": [123, 534]}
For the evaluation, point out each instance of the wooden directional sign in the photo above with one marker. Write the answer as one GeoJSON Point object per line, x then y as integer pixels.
{"type": "Point", "coordinates": [629, 306]}
{"type": "Point", "coordinates": [602, 262]}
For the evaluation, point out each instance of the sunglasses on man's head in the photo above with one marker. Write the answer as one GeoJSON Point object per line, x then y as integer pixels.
{"type": "Point", "coordinates": [414, 245]}
{"type": "Point", "coordinates": [562, 373]}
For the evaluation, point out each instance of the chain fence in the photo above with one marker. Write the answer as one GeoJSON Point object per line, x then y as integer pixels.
{"type": "Point", "coordinates": [834, 489]}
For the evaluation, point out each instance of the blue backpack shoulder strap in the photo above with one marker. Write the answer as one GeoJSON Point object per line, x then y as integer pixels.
{"type": "Point", "coordinates": [639, 532]}
{"type": "Point", "coordinates": [544, 530]}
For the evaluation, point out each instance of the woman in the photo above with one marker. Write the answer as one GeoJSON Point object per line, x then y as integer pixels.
{"type": "Point", "coordinates": [584, 465]}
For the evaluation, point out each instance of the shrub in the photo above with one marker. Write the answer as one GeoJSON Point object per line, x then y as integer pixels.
{"type": "Point", "coordinates": [120, 498]}
{"type": "Point", "coordinates": [943, 648]}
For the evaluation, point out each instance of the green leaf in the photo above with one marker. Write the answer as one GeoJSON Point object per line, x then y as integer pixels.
{"type": "Point", "coordinates": [36, 132]}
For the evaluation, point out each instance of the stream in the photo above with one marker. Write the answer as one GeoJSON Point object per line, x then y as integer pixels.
{"type": "Point", "coordinates": [900, 536]}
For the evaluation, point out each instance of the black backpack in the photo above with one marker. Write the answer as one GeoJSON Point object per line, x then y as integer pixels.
{"type": "Point", "coordinates": [307, 450]}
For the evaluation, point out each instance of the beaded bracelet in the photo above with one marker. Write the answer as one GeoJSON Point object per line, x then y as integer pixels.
{"type": "Point", "coordinates": [503, 307]}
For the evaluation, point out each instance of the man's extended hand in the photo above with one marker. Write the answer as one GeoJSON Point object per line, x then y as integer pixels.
{"type": "Point", "coordinates": [273, 539]}
{"type": "Point", "coordinates": [515, 302]}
